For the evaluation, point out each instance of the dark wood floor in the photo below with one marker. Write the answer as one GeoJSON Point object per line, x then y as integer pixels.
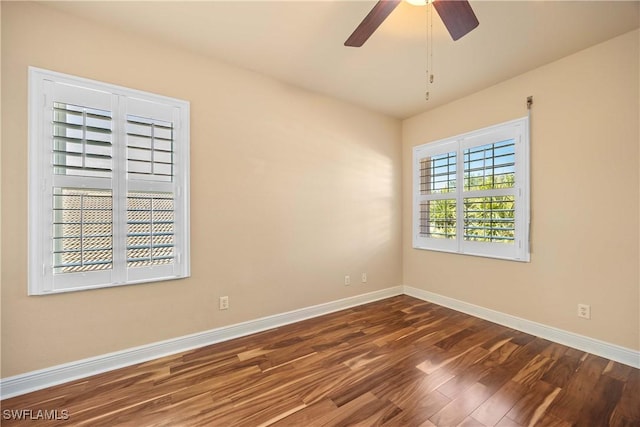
{"type": "Point", "coordinates": [396, 362]}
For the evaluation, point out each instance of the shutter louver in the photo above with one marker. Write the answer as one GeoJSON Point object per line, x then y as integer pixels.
{"type": "Point", "coordinates": [438, 218]}
{"type": "Point", "coordinates": [82, 141]}
{"type": "Point", "coordinates": [149, 149]}
{"type": "Point", "coordinates": [438, 174]}
{"type": "Point", "coordinates": [437, 214]}
{"type": "Point", "coordinates": [150, 229]}
{"type": "Point", "coordinates": [82, 230]}
{"type": "Point", "coordinates": [490, 168]}
{"type": "Point", "coordinates": [489, 219]}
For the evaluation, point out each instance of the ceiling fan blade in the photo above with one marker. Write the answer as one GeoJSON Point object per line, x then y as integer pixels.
{"type": "Point", "coordinates": [457, 16]}
{"type": "Point", "coordinates": [371, 22]}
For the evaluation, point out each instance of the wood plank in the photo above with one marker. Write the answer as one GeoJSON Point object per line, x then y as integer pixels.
{"type": "Point", "coordinates": [307, 415]}
{"type": "Point", "coordinates": [627, 411]}
{"type": "Point", "coordinates": [459, 408]}
{"type": "Point", "coordinates": [533, 371]}
{"type": "Point", "coordinates": [617, 370]}
{"type": "Point", "coordinates": [491, 411]}
{"type": "Point", "coordinates": [562, 371]}
{"type": "Point", "coordinates": [470, 422]}
{"type": "Point", "coordinates": [508, 422]}
{"type": "Point", "coordinates": [572, 399]}
{"type": "Point", "coordinates": [417, 410]}
{"type": "Point", "coordinates": [601, 402]}
{"type": "Point", "coordinates": [467, 371]}
{"type": "Point", "coordinates": [529, 409]}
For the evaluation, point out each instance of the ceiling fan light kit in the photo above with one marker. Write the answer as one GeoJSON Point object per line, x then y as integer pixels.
{"type": "Point", "coordinates": [418, 2]}
{"type": "Point", "coordinates": [457, 15]}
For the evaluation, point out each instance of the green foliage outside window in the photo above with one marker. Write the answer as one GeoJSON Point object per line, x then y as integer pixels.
{"type": "Point", "coordinates": [486, 219]}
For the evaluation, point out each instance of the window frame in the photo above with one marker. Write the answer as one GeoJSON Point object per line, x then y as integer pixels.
{"type": "Point", "coordinates": [49, 87]}
{"type": "Point", "coordinates": [518, 130]}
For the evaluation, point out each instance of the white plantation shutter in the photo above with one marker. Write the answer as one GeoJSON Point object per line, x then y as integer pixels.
{"type": "Point", "coordinates": [436, 172]}
{"type": "Point", "coordinates": [153, 168]}
{"type": "Point", "coordinates": [108, 185]}
{"type": "Point", "coordinates": [77, 186]}
{"type": "Point", "coordinates": [471, 193]}
{"type": "Point", "coordinates": [495, 200]}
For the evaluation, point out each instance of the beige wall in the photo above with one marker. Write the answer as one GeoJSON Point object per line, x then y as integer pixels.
{"type": "Point", "coordinates": [290, 191]}
{"type": "Point", "coordinates": [585, 194]}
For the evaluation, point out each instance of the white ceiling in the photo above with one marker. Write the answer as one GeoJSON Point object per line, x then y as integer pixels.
{"type": "Point", "coordinates": [301, 42]}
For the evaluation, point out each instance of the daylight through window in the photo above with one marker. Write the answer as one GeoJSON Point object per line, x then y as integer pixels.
{"type": "Point", "coordinates": [471, 193]}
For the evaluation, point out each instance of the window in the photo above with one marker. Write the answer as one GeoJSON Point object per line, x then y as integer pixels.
{"type": "Point", "coordinates": [108, 185]}
{"type": "Point", "coordinates": [471, 193]}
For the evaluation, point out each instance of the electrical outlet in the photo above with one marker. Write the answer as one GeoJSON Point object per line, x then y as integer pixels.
{"type": "Point", "coordinates": [224, 303]}
{"type": "Point", "coordinates": [347, 280]}
{"type": "Point", "coordinates": [364, 278]}
{"type": "Point", "coordinates": [584, 311]}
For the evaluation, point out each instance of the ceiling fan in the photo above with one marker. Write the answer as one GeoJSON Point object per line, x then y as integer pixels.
{"type": "Point", "coordinates": [457, 16]}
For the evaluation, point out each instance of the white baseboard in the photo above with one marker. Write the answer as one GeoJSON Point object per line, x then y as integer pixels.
{"type": "Point", "coordinates": [43, 378]}
{"type": "Point", "coordinates": [570, 339]}
{"type": "Point", "coordinates": [37, 380]}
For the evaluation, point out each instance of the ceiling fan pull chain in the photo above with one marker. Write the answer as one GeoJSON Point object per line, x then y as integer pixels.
{"type": "Point", "coordinates": [430, 9]}
{"type": "Point", "coordinates": [426, 93]}
{"type": "Point", "coordinates": [427, 55]}
{"type": "Point", "coordinates": [429, 50]}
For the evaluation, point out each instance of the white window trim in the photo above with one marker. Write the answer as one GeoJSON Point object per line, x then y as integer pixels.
{"type": "Point", "coordinates": [123, 101]}
{"type": "Point", "coordinates": [519, 251]}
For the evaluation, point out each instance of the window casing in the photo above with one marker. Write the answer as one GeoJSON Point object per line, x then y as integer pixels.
{"type": "Point", "coordinates": [471, 193]}
{"type": "Point", "coordinates": [108, 185]}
